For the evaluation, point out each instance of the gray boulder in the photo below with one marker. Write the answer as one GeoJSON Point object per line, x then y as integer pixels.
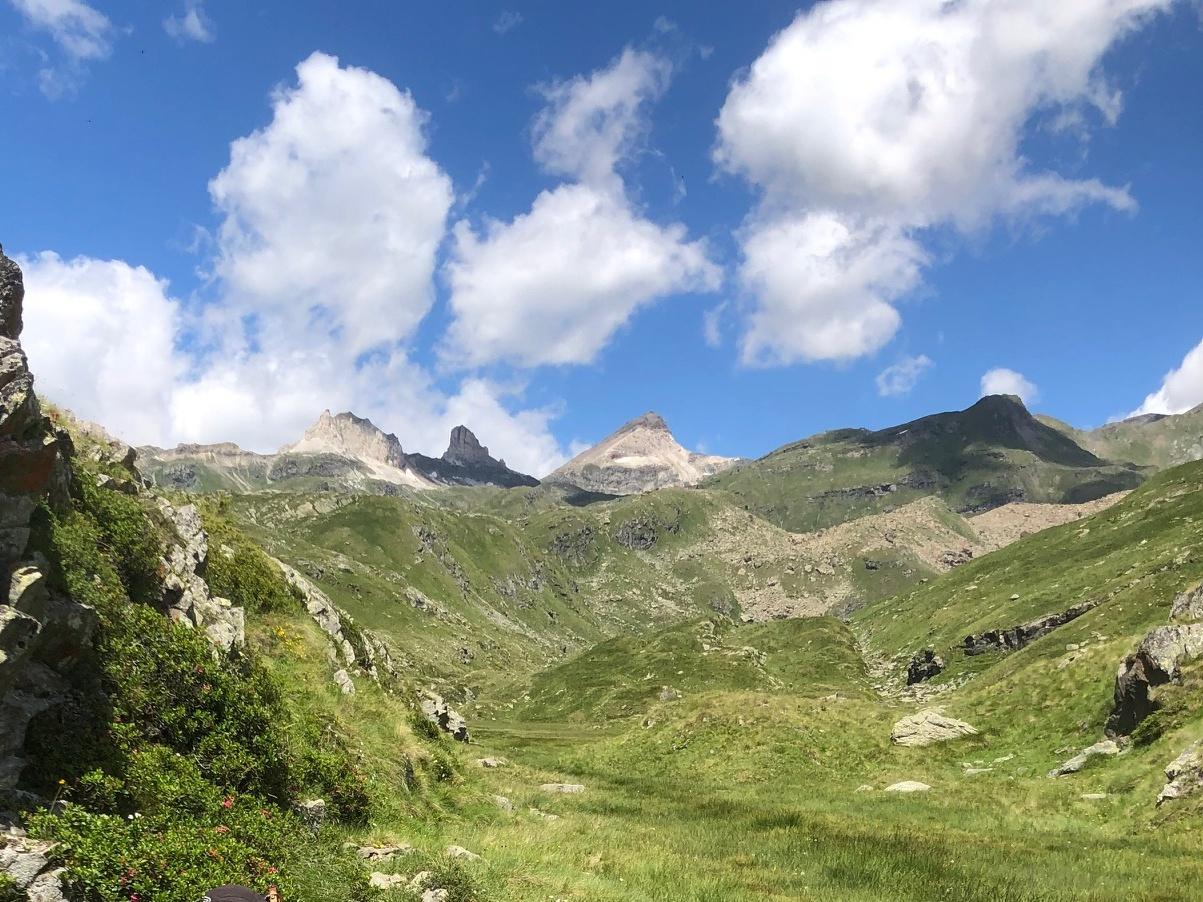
{"type": "Point", "coordinates": [1156, 662]}
{"type": "Point", "coordinates": [1183, 775]}
{"type": "Point", "coordinates": [1187, 606]}
{"type": "Point", "coordinates": [1104, 748]}
{"type": "Point", "coordinates": [435, 709]}
{"type": "Point", "coordinates": [928, 727]}
{"type": "Point", "coordinates": [923, 666]}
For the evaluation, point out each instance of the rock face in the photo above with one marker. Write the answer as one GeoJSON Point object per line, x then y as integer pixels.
{"type": "Point", "coordinates": [186, 596]}
{"type": "Point", "coordinates": [42, 635]}
{"type": "Point", "coordinates": [641, 456]}
{"type": "Point", "coordinates": [338, 453]}
{"type": "Point", "coordinates": [347, 435]}
{"type": "Point", "coordinates": [929, 727]}
{"type": "Point", "coordinates": [923, 666]}
{"type": "Point", "coordinates": [466, 450]}
{"type": "Point", "coordinates": [438, 712]}
{"type": "Point", "coordinates": [1106, 749]}
{"type": "Point", "coordinates": [1156, 662]}
{"type": "Point", "coordinates": [1183, 775]}
{"type": "Point", "coordinates": [1016, 637]}
{"type": "Point", "coordinates": [467, 462]}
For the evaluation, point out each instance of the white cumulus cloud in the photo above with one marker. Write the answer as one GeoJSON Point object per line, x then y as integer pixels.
{"type": "Point", "coordinates": [100, 337]}
{"type": "Point", "coordinates": [331, 218]}
{"type": "Point", "coordinates": [1002, 381]}
{"type": "Point", "coordinates": [553, 285]}
{"type": "Point", "coordinates": [333, 212]}
{"type": "Point", "coordinates": [893, 118]}
{"type": "Point", "coordinates": [81, 32]}
{"type": "Point", "coordinates": [902, 377]}
{"type": "Point", "coordinates": [1181, 389]}
{"type": "Point", "coordinates": [191, 24]}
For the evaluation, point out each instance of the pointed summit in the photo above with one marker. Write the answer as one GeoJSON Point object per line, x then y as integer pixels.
{"type": "Point", "coordinates": [358, 438]}
{"type": "Point", "coordinates": [466, 450]}
{"type": "Point", "coordinates": [640, 456]}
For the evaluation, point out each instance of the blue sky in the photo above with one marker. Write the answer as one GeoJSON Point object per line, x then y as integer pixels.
{"type": "Point", "coordinates": [546, 218]}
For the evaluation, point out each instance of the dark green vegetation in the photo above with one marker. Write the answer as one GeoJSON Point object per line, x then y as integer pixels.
{"type": "Point", "coordinates": [181, 767]}
{"type": "Point", "coordinates": [990, 454]}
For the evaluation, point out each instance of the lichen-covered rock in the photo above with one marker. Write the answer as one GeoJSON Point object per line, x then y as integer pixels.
{"type": "Point", "coordinates": [323, 611]}
{"type": "Point", "coordinates": [1106, 748]}
{"type": "Point", "coordinates": [12, 295]}
{"type": "Point", "coordinates": [1156, 662]}
{"type": "Point", "coordinates": [928, 727]}
{"type": "Point", "coordinates": [1183, 775]}
{"type": "Point", "coordinates": [343, 681]}
{"type": "Point", "coordinates": [1187, 606]}
{"type": "Point", "coordinates": [438, 712]}
{"type": "Point", "coordinates": [186, 598]}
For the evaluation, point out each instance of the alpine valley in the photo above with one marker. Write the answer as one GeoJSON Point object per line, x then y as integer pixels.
{"type": "Point", "coordinates": [959, 658]}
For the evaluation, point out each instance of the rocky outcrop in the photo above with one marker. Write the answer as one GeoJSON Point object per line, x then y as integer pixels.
{"type": "Point", "coordinates": [1016, 637]}
{"type": "Point", "coordinates": [641, 456]}
{"type": "Point", "coordinates": [186, 598]}
{"type": "Point", "coordinates": [357, 438]}
{"type": "Point", "coordinates": [1183, 775]}
{"type": "Point", "coordinates": [1103, 749]}
{"type": "Point", "coordinates": [465, 450]}
{"type": "Point", "coordinates": [27, 863]}
{"type": "Point", "coordinates": [467, 462]}
{"type": "Point", "coordinates": [923, 666]}
{"type": "Point", "coordinates": [1156, 661]}
{"type": "Point", "coordinates": [436, 710]}
{"type": "Point", "coordinates": [42, 634]}
{"type": "Point", "coordinates": [927, 728]}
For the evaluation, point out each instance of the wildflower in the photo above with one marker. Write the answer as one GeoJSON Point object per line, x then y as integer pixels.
{"type": "Point", "coordinates": [62, 782]}
{"type": "Point", "coordinates": [227, 802]}
{"type": "Point", "coordinates": [222, 828]}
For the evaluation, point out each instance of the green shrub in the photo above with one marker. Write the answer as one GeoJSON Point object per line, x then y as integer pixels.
{"type": "Point", "coordinates": [167, 856]}
{"type": "Point", "coordinates": [8, 890]}
{"type": "Point", "coordinates": [240, 571]}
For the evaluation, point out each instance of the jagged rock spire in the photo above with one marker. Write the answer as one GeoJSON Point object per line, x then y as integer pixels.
{"type": "Point", "coordinates": [12, 295]}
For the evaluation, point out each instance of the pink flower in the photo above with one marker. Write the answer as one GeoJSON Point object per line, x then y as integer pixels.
{"type": "Point", "coordinates": [227, 802]}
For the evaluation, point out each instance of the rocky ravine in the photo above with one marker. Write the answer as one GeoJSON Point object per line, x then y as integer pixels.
{"type": "Point", "coordinates": [641, 456]}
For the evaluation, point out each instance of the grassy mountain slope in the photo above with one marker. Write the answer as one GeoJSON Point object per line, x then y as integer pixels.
{"type": "Point", "coordinates": [1150, 441]}
{"type": "Point", "coordinates": [764, 779]}
{"type": "Point", "coordinates": [992, 453]}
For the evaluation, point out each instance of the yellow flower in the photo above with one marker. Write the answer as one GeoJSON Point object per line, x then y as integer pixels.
{"type": "Point", "coordinates": [62, 782]}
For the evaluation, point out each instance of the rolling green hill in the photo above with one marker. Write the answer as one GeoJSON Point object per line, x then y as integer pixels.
{"type": "Point", "coordinates": [1151, 441]}
{"type": "Point", "coordinates": [990, 454]}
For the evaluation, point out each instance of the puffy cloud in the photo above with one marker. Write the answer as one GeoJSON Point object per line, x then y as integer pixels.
{"type": "Point", "coordinates": [192, 24]}
{"type": "Point", "coordinates": [82, 33]}
{"type": "Point", "coordinates": [333, 211]}
{"type": "Point", "coordinates": [592, 122]}
{"type": "Point", "coordinates": [1002, 381]}
{"type": "Point", "coordinates": [100, 336]}
{"type": "Point", "coordinates": [901, 377]}
{"type": "Point", "coordinates": [1181, 389]}
{"type": "Point", "coordinates": [892, 118]}
{"type": "Point", "coordinates": [823, 287]}
{"type": "Point", "coordinates": [553, 285]}
{"type": "Point", "coordinates": [332, 215]}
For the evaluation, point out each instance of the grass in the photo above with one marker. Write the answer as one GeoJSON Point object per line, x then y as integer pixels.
{"type": "Point", "coordinates": [987, 455]}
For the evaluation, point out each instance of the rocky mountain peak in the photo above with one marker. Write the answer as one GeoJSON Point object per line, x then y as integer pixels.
{"type": "Point", "coordinates": [466, 450]}
{"type": "Point", "coordinates": [640, 456]}
{"type": "Point", "coordinates": [650, 420]}
{"type": "Point", "coordinates": [350, 436]}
